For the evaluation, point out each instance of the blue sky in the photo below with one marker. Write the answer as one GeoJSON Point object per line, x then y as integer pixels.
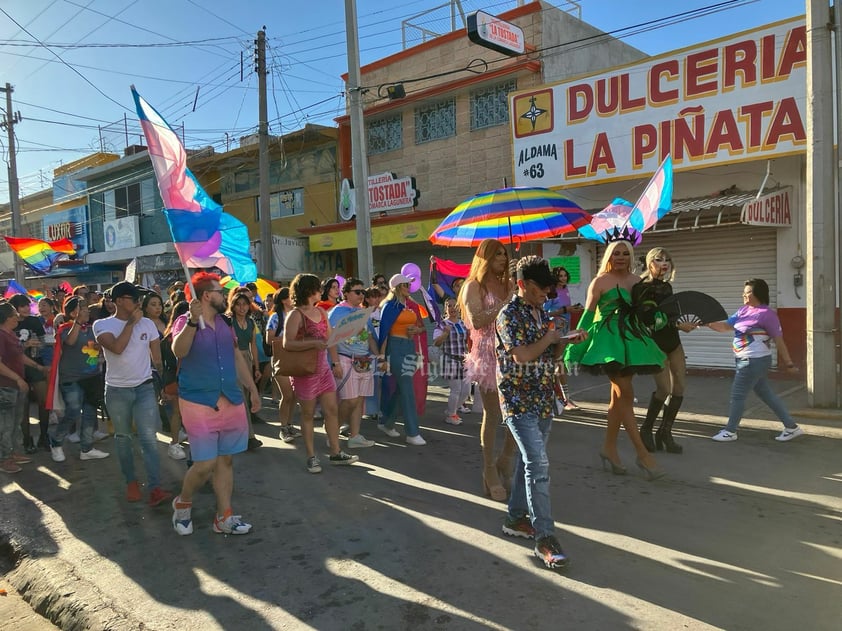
{"type": "Point", "coordinates": [71, 62]}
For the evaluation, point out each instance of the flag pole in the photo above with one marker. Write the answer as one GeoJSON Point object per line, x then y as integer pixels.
{"type": "Point", "coordinates": [192, 292]}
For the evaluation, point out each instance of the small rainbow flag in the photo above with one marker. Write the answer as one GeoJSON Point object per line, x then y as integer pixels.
{"type": "Point", "coordinates": [40, 255]}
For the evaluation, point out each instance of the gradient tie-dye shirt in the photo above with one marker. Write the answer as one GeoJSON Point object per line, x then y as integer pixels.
{"type": "Point", "coordinates": [754, 329]}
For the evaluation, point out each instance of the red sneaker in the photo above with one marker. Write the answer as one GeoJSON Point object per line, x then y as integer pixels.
{"type": "Point", "coordinates": [9, 466]}
{"type": "Point", "coordinates": [133, 492]}
{"type": "Point", "coordinates": [20, 459]}
{"type": "Point", "coordinates": [158, 495]}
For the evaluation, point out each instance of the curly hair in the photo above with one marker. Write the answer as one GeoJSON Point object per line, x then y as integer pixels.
{"type": "Point", "coordinates": [303, 286]}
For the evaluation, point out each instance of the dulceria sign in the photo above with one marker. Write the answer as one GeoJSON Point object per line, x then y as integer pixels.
{"type": "Point", "coordinates": [739, 98]}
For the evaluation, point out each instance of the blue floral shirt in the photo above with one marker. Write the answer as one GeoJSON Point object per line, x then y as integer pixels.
{"type": "Point", "coordinates": [523, 387]}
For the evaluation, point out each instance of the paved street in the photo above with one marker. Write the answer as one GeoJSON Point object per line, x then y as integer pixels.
{"type": "Point", "coordinates": [745, 535]}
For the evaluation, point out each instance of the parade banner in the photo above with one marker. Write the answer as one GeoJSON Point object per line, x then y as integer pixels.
{"type": "Point", "coordinates": [739, 98]}
{"type": "Point", "coordinates": [349, 325]}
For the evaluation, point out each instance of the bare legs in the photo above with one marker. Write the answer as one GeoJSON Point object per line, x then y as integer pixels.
{"type": "Point", "coordinates": [287, 404]}
{"type": "Point", "coordinates": [621, 412]}
{"type": "Point", "coordinates": [330, 410]}
{"type": "Point", "coordinates": [222, 469]}
{"type": "Point", "coordinates": [494, 467]}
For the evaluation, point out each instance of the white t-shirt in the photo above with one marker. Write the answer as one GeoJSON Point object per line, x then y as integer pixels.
{"type": "Point", "coordinates": [134, 365]}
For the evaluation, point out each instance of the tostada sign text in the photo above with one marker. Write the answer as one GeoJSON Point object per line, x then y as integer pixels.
{"type": "Point", "coordinates": [738, 98]}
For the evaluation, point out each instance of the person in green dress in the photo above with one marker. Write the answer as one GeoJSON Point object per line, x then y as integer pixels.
{"type": "Point", "coordinates": [619, 346]}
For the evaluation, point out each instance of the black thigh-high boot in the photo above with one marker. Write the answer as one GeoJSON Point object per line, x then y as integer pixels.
{"type": "Point", "coordinates": [664, 433]}
{"type": "Point", "coordinates": [655, 405]}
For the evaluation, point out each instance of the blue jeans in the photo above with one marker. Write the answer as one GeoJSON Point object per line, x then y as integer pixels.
{"type": "Point", "coordinates": [76, 405]}
{"type": "Point", "coordinates": [138, 404]}
{"type": "Point", "coordinates": [401, 350]}
{"type": "Point", "coordinates": [751, 375]}
{"type": "Point", "coordinates": [531, 483]}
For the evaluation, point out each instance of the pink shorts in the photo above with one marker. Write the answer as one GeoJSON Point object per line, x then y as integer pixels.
{"type": "Point", "coordinates": [354, 384]}
{"type": "Point", "coordinates": [311, 387]}
{"type": "Point", "coordinates": [212, 433]}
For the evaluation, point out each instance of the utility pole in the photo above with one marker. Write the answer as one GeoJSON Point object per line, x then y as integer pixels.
{"type": "Point", "coordinates": [266, 267]}
{"type": "Point", "coordinates": [359, 163]}
{"type": "Point", "coordinates": [14, 194]}
{"type": "Point", "coordinates": [822, 373]}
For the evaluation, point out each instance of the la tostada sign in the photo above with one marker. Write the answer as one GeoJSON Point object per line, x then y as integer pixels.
{"type": "Point", "coordinates": [739, 98]}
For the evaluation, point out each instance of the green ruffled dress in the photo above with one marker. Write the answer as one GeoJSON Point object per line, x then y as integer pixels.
{"type": "Point", "coordinates": [618, 342]}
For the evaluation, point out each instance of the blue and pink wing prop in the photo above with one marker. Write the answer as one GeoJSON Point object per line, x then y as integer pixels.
{"type": "Point", "coordinates": [654, 203]}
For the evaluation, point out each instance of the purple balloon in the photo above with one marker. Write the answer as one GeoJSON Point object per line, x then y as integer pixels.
{"type": "Point", "coordinates": [340, 280]}
{"type": "Point", "coordinates": [412, 271]}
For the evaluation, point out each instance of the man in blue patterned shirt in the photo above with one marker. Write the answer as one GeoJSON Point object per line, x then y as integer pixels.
{"type": "Point", "coordinates": [527, 351]}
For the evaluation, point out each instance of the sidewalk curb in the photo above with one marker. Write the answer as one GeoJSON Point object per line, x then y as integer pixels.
{"type": "Point", "coordinates": [54, 589]}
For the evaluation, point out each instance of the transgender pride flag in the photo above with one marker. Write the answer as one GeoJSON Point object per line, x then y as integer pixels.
{"type": "Point", "coordinates": [203, 235]}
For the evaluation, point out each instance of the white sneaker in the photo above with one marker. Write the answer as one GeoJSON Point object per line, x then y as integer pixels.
{"type": "Point", "coordinates": [74, 437]}
{"type": "Point", "coordinates": [98, 435]}
{"type": "Point", "coordinates": [724, 436]}
{"type": "Point", "coordinates": [389, 431]}
{"type": "Point", "coordinates": [93, 454]}
{"type": "Point", "coordinates": [359, 441]}
{"type": "Point", "coordinates": [57, 453]}
{"type": "Point", "coordinates": [176, 452]}
{"type": "Point", "coordinates": [452, 419]}
{"type": "Point", "coordinates": [465, 409]}
{"type": "Point", "coordinates": [789, 434]}
{"type": "Point", "coordinates": [416, 440]}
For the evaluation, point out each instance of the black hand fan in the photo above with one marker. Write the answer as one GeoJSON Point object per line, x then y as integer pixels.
{"type": "Point", "coordinates": [693, 307]}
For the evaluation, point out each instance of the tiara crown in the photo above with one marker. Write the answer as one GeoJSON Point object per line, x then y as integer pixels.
{"type": "Point", "coordinates": [626, 234]}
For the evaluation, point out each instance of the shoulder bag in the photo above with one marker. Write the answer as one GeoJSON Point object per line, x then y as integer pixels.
{"type": "Point", "coordinates": [293, 363]}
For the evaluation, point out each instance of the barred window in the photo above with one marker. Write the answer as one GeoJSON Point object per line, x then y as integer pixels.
{"type": "Point", "coordinates": [436, 121]}
{"type": "Point", "coordinates": [490, 106]}
{"type": "Point", "coordinates": [385, 135]}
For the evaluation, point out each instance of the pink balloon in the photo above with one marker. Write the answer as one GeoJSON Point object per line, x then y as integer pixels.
{"type": "Point", "coordinates": [413, 272]}
{"type": "Point", "coordinates": [341, 280]}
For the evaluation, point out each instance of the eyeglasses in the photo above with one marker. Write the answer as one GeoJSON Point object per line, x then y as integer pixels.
{"type": "Point", "coordinates": [359, 292]}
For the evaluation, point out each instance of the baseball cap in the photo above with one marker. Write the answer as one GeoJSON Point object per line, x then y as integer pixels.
{"type": "Point", "coordinates": [124, 288]}
{"type": "Point", "coordinates": [399, 279]}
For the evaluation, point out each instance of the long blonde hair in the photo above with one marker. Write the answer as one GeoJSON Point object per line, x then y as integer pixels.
{"type": "Point", "coordinates": [486, 251]}
{"type": "Point", "coordinates": [605, 264]}
{"type": "Point", "coordinates": [651, 255]}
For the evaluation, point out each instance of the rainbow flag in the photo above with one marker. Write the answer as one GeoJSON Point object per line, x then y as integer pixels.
{"type": "Point", "coordinates": [203, 235]}
{"type": "Point", "coordinates": [40, 256]}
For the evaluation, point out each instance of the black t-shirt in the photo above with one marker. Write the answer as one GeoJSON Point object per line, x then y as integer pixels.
{"type": "Point", "coordinates": [28, 328]}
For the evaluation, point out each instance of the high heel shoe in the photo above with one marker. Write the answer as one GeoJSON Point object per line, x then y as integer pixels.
{"type": "Point", "coordinates": [491, 485]}
{"type": "Point", "coordinates": [616, 469]}
{"type": "Point", "coordinates": [651, 474]}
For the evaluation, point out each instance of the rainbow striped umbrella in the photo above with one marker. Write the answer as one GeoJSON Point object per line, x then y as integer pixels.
{"type": "Point", "coordinates": [510, 215]}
